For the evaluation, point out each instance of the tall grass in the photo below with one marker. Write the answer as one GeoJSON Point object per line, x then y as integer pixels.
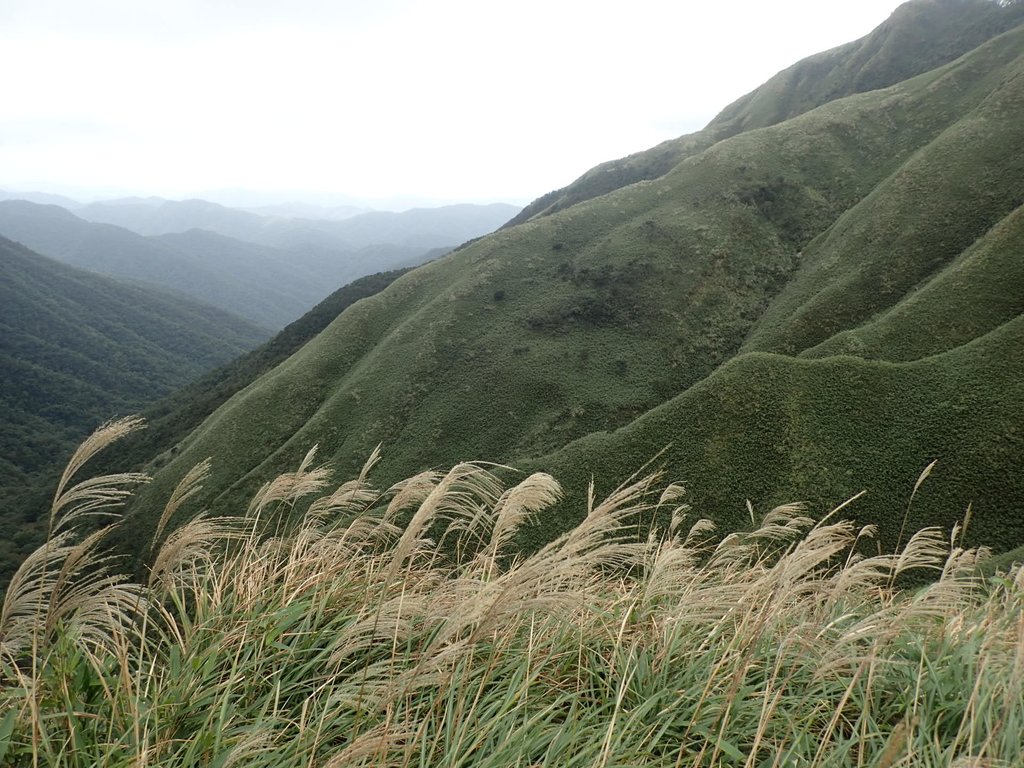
{"type": "Point", "coordinates": [337, 626]}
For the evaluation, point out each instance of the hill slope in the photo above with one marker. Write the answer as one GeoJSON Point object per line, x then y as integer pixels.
{"type": "Point", "coordinates": [77, 348]}
{"type": "Point", "coordinates": [712, 302]}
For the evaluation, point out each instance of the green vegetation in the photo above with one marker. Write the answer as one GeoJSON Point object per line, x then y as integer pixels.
{"type": "Point", "coordinates": [75, 348]}
{"type": "Point", "coordinates": [339, 637]}
{"type": "Point", "coordinates": [776, 308]}
{"type": "Point", "coordinates": [32, 438]}
{"type": "Point", "coordinates": [833, 427]}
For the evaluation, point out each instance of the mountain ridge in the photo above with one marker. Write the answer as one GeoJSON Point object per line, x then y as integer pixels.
{"type": "Point", "coordinates": [955, 28]}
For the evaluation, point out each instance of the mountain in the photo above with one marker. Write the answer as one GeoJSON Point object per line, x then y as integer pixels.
{"type": "Point", "coordinates": [420, 227]}
{"type": "Point", "coordinates": [810, 306]}
{"type": "Point", "coordinates": [42, 198]}
{"type": "Point", "coordinates": [156, 216]}
{"type": "Point", "coordinates": [77, 348]}
{"type": "Point", "coordinates": [268, 286]}
{"type": "Point", "coordinates": [775, 307]}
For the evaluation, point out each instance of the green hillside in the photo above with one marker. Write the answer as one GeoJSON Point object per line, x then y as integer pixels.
{"type": "Point", "coordinates": [779, 306]}
{"type": "Point", "coordinates": [172, 418]}
{"type": "Point", "coordinates": [77, 348]}
{"type": "Point", "coordinates": [764, 427]}
{"type": "Point", "coordinates": [699, 462]}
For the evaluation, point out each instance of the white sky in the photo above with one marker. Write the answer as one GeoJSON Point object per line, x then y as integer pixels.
{"type": "Point", "coordinates": [445, 100]}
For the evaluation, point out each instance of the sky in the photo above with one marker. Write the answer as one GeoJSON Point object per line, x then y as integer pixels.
{"type": "Point", "coordinates": [333, 100]}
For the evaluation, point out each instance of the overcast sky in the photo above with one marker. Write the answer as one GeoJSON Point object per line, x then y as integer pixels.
{"type": "Point", "coordinates": [444, 100]}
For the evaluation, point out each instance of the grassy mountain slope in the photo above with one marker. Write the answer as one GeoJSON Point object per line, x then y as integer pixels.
{"type": "Point", "coordinates": [76, 348]}
{"type": "Point", "coordinates": [765, 426]}
{"type": "Point", "coordinates": [172, 418]}
{"type": "Point", "coordinates": [577, 323]}
{"type": "Point", "coordinates": [918, 37]}
{"type": "Point", "coordinates": [977, 292]}
{"type": "Point", "coordinates": [268, 286]}
{"type": "Point", "coordinates": [936, 205]}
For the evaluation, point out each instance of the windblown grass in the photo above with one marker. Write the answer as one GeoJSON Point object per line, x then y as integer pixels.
{"type": "Point", "coordinates": [346, 626]}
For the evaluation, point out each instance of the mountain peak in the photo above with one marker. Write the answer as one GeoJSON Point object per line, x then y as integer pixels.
{"type": "Point", "coordinates": [918, 36]}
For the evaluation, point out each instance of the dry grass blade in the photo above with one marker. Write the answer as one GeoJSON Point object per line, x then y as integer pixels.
{"type": "Point", "coordinates": [289, 487]}
{"type": "Point", "coordinates": [926, 549]}
{"type": "Point", "coordinates": [917, 485]}
{"type": "Point", "coordinates": [374, 746]}
{"type": "Point", "coordinates": [66, 594]}
{"type": "Point", "coordinates": [63, 577]}
{"type": "Point", "coordinates": [517, 504]}
{"type": "Point", "coordinates": [922, 477]}
{"type": "Point", "coordinates": [410, 492]}
{"type": "Point", "coordinates": [29, 590]}
{"type": "Point", "coordinates": [103, 437]}
{"type": "Point", "coordinates": [192, 548]}
{"type": "Point", "coordinates": [90, 497]}
{"type": "Point", "coordinates": [459, 494]}
{"type": "Point", "coordinates": [822, 544]}
{"type": "Point", "coordinates": [69, 584]}
{"type": "Point", "coordinates": [351, 498]}
{"type": "Point", "coordinates": [189, 486]}
{"type": "Point", "coordinates": [605, 521]}
{"type": "Point", "coordinates": [672, 493]}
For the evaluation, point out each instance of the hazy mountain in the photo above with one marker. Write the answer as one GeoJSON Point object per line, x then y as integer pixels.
{"type": "Point", "coordinates": [155, 216]}
{"type": "Point", "coordinates": [432, 227]}
{"type": "Point", "coordinates": [308, 211]}
{"type": "Point", "coordinates": [42, 198]}
{"type": "Point", "coordinates": [77, 348]}
{"type": "Point", "coordinates": [820, 293]}
{"type": "Point", "coordinates": [420, 228]}
{"type": "Point", "coordinates": [269, 286]}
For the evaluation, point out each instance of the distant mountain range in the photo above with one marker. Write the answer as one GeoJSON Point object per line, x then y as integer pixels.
{"type": "Point", "coordinates": [419, 227]}
{"type": "Point", "coordinates": [221, 255]}
{"type": "Point", "coordinates": [819, 294]}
